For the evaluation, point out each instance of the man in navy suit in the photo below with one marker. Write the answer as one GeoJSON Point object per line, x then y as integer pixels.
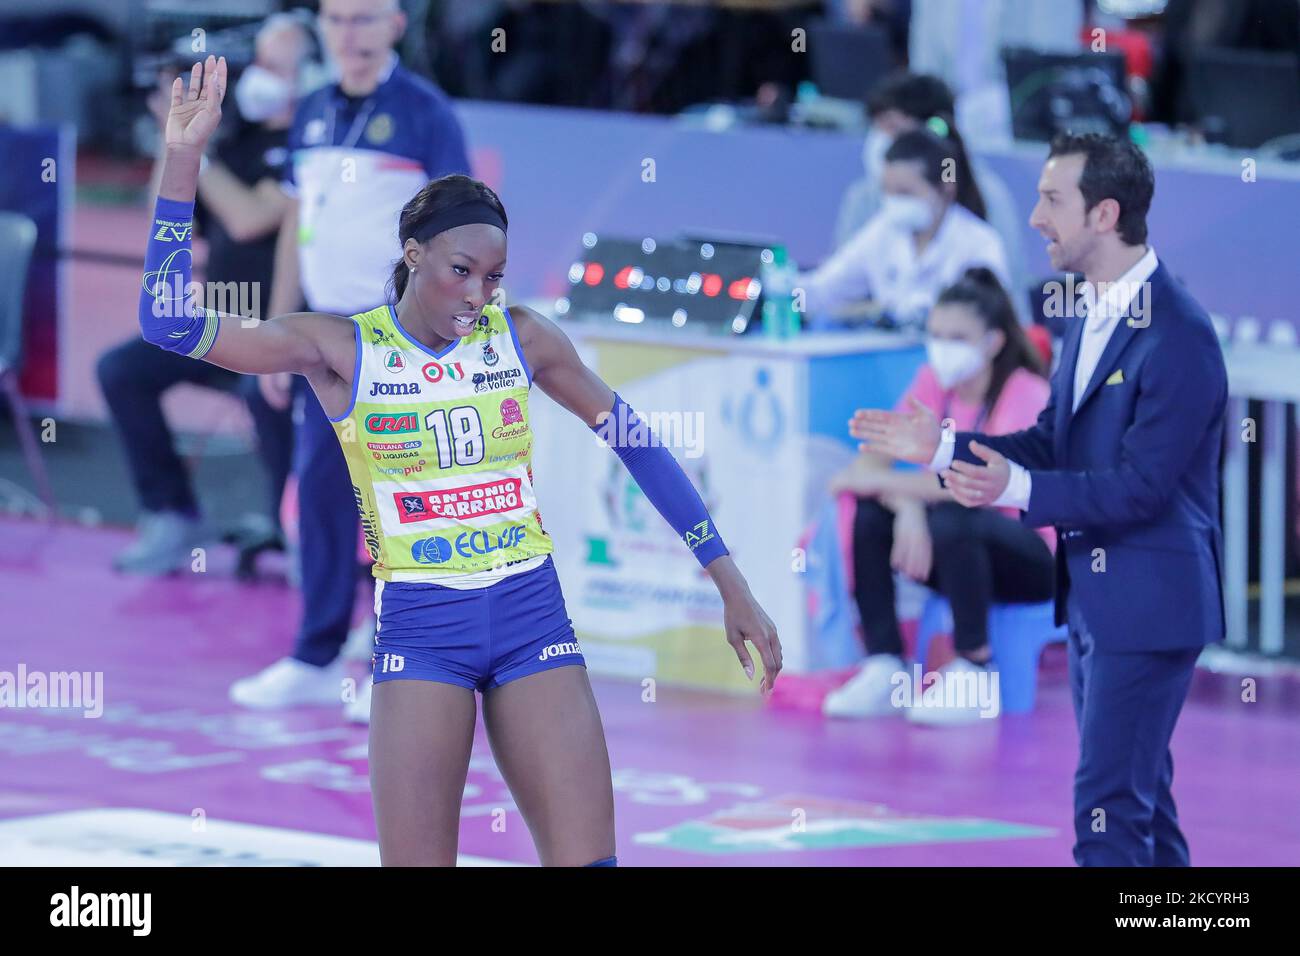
{"type": "Point", "coordinates": [1123, 461]}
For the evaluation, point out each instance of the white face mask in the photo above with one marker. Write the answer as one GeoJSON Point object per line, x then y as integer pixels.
{"type": "Point", "coordinates": [873, 153]}
{"type": "Point", "coordinates": [953, 361]}
{"type": "Point", "coordinates": [909, 213]}
{"type": "Point", "coordinates": [261, 94]}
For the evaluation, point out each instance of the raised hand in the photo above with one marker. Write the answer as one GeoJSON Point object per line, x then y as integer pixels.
{"type": "Point", "coordinates": [907, 436]}
{"type": "Point", "coordinates": [196, 111]}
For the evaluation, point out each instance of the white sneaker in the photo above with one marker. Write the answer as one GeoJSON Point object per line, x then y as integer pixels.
{"type": "Point", "coordinates": [290, 683]}
{"type": "Point", "coordinates": [358, 711]}
{"type": "Point", "coordinates": [869, 692]}
{"type": "Point", "coordinates": [965, 693]}
{"type": "Point", "coordinates": [165, 543]}
{"type": "Point", "coordinates": [360, 644]}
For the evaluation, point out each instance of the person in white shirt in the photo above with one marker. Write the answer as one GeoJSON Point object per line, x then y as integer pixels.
{"type": "Point", "coordinates": [906, 101]}
{"type": "Point", "coordinates": [927, 233]}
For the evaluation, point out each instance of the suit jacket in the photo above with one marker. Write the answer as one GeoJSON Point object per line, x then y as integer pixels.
{"type": "Point", "coordinates": [1130, 479]}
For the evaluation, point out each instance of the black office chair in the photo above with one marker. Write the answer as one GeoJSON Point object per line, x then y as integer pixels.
{"type": "Point", "coordinates": [17, 239]}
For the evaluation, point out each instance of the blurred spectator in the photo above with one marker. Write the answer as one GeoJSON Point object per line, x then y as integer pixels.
{"type": "Point", "coordinates": [961, 41]}
{"type": "Point", "coordinates": [904, 101]}
{"type": "Point", "coordinates": [892, 16]}
{"type": "Point", "coordinates": [361, 147]}
{"type": "Point", "coordinates": [928, 230]}
{"type": "Point", "coordinates": [982, 373]}
{"type": "Point", "coordinates": [240, 208]}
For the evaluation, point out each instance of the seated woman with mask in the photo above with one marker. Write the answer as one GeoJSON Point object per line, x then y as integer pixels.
{"type": "Point", "coordinates": [928, 231]}
{"type": "Point", "coordinates": [981, 373]}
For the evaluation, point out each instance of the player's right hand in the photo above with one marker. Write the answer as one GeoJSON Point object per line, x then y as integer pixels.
{"type": "Point", "coordinates": [195, 112]}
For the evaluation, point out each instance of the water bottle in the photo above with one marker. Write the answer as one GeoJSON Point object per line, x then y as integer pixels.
{"type": "Point", "coordinates": [780, 320]}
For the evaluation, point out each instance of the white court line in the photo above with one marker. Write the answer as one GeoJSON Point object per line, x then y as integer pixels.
{"type": "Point", "coordinates": [135, 837]}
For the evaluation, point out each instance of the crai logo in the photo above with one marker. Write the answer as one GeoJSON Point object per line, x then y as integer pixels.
{"type": "Point", "coordinates": [393, 423]}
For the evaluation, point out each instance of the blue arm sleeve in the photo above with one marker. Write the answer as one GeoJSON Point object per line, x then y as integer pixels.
{"type": "Point", "coordinates": [662, 480]}
{"type": "Point", "coordinates": [168, 316]}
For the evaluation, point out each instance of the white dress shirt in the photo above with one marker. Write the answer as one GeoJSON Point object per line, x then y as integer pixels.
{"type": "Point", "coordinates": [1102, 315]}
{"type": "Point", "coordinates": [880, 262]}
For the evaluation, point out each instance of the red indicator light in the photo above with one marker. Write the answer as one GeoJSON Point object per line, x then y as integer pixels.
{"type": "Point", "coordinates": [712, 284]}
{"type": "Point", "coordinates": [595, 272]}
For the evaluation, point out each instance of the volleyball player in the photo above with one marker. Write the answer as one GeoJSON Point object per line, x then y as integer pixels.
{"type": "Point", "coordinates": [467, 594]}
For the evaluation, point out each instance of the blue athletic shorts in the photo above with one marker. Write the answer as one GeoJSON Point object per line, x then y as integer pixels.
{"type": "Point", "coordinates": [479, 638]}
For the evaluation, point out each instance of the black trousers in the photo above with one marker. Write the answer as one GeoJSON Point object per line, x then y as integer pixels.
{"type": "Point", "coordinates": [980, 557]}
{"type": "Point", "coordinates": [133, 377]}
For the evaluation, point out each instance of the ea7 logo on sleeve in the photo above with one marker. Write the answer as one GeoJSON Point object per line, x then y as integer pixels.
{"type": "Point", "coordinates": [102, 909]}
{"type": "Point", "coordinates": [393, 423]}
{"type": "Point", "coordinates": [698, 535]}
{"type": "Point", "coordinates": [169, 231]}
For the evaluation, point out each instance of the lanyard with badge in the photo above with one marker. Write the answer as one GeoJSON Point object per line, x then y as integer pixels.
{"type": "Point", "coordinates": [358, 124]}
{"type": "Point", "coordinates": [353, 136]}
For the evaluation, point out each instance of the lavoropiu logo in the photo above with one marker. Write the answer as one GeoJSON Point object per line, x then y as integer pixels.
{"type": "Point", "coordinates": [64, 690]}
{"type": "Point", "coordinates": [103, 909]}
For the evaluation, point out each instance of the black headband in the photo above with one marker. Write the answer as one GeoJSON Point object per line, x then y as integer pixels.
{"type": "Point", "coordinates": [461, 214]}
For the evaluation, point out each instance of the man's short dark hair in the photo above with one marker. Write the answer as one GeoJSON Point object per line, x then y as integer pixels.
{"type": "Point", "coordinates": [1113, 168]}
{"type": "Point", "coordinates": [917, 95]}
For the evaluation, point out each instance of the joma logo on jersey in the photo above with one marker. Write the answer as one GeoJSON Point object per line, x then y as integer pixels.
{"type": "Point", "coordinates": [402, 424]}
{"type": "Point", "coordinates": [395, 388]}
{"type": "Point", "coordinates": [434, 371]}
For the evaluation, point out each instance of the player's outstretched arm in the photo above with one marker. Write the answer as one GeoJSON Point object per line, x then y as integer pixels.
{"type": "Point", "coordinates": [169, 314]}
{"type": "Point", "coordinates": [561, 374]}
